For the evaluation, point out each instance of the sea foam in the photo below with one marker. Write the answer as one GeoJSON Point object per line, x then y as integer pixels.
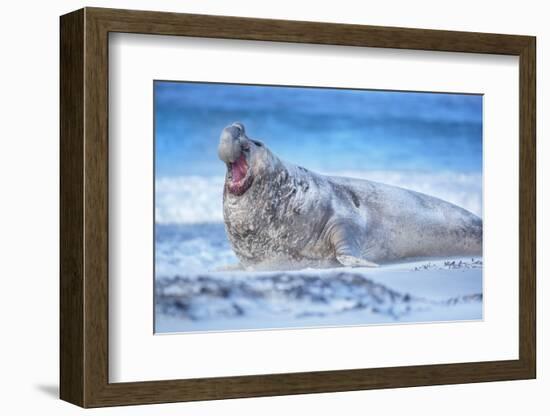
{"type": "Point", "coordinates": [198, 199]}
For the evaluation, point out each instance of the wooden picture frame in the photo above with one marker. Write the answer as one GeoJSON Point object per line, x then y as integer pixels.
{"type": "Point", "coordinates": [84, 207]}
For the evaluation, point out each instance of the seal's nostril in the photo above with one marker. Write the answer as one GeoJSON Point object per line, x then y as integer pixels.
{"type": "Point", "coordinates": [239, 126]}
{"type": "Point", "coordinates": [230, 133]}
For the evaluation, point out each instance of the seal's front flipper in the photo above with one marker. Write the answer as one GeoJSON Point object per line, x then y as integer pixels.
{"type": "Point", "coordinates": [343, 238]}
{"type": "Point", "coordinates": [352, 261]}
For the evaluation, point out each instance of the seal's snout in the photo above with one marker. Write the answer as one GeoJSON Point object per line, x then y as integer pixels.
{"type": "Point", "coordinates": [234, 150]}
{"type": "Point", "coordinates": [229, 148]}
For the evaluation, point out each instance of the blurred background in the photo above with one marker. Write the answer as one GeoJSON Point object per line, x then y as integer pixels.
{"type": "Point", "coordinates": [321, 128]}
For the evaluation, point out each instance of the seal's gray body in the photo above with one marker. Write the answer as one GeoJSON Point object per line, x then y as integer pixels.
{"type": "Point", "coordinates": [291, 217]}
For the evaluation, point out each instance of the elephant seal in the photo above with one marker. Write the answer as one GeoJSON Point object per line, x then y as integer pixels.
{"type": "Point", "coordinates": [281, 216]}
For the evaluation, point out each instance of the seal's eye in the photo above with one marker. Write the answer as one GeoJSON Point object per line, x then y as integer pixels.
{"type": "Point", "coordinates": [257, 143]}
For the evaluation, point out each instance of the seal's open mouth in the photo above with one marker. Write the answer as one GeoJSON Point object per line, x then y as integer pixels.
{"type": "Point", "coordinates": [239, 176]}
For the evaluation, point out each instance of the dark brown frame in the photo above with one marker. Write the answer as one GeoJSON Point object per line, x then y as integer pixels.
{"type": "Point", "coordinates": [84, 208]}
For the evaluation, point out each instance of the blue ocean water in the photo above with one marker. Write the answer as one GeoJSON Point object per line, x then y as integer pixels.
{"type": "Point", "coordinates": [323, 129]}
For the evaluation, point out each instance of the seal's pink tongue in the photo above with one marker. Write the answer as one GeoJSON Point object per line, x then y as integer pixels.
{"type": "Point", "coordinates": [239, 168]}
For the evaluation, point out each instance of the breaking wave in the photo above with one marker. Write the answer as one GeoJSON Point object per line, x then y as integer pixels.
{"type": "Point", "coordinates": [198, 199]}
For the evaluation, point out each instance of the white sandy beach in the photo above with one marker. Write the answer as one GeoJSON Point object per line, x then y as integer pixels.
{"type": "Point", "coordinates": [427, 290]}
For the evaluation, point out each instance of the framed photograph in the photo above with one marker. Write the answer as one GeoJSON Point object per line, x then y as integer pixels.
{"type": "Point", "coordinates": [255, 207]}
